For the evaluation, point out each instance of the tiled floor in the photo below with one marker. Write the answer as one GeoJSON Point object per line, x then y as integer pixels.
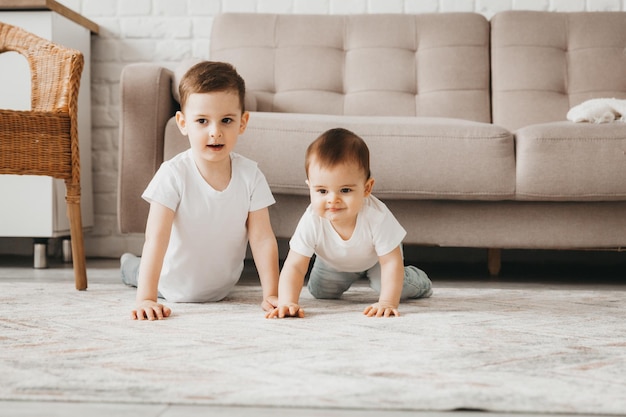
{"type": "Point", "coordinates": [607, 276]}
{"type": "Point", "coordinates": [49, 409]}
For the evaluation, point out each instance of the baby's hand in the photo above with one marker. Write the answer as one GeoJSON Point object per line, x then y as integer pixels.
{"type": "Point", "coordinates": [381, 310]}
{"type": "Point", "coordinates": [270, 303]}
{"type": "Point", "coordinates": [289, 310]}
{"type": "Point", "coordinates": [150, 310]}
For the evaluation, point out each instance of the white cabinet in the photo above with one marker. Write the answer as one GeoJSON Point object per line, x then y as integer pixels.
{"type": "Point", "coordinates": [34, 206]}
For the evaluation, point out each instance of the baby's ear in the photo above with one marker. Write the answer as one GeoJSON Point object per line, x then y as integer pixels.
{"type": "Point", "coordinates": [369, 185]}
{"type": "Point", "coordinates": [244, 122]}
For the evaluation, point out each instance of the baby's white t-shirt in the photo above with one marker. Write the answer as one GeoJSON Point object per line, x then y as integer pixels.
{"type": "Point", "coordinates": [377, 232]}
{"type": "Point", "coordinates": [208, 242]}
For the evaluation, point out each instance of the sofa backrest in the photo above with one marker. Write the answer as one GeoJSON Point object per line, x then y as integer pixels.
{"type": "Point", "coordinates": [544, 63]}
{"type": "Point", "coordinates": [431, 65]}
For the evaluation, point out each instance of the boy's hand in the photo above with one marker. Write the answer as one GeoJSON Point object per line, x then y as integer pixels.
{"type": "Point", "coordinates": [381, 310]}
{"type": "Point", "coordinates": [150, 310]}
{"type": "Point", "coordinates": [288, 310]}
{"type": "Point", "coordinates": [270, 303]}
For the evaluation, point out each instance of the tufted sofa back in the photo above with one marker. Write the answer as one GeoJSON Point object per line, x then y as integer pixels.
{"type": "Point", "coordinates": [429, 65]}
{"type": "Point", "coordinates": [545, 63]}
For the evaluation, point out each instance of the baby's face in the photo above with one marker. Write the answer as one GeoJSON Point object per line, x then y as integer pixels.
{"type": "Point", "coordinates": [338, 193]}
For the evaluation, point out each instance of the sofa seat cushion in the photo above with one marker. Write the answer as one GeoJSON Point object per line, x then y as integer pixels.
{"type": "Point", "coordinates": [411, 158]}
{"type": "Point", "coordinates": [565, 161]}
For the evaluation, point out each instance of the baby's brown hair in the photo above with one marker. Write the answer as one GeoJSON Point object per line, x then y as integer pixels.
{"type": "Point", "coordinates": [339, 146]}
{"type": "Point", "coordinates": [209, 77]}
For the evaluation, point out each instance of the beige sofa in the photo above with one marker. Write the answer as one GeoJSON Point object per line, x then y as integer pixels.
{"type": "Point", "coordinates": [465, 118]}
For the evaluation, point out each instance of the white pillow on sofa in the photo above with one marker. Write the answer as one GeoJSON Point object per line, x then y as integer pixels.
{"type": "Point", "coordinates": [599, 110]}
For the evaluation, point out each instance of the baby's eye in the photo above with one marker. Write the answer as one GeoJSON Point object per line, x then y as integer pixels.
{"type": "Point", "coordinates": [322, 191]}
{"type": "Point", "coordinates": [201, 121]}
{"type": "Point", "coordinates": [346, 190]}
{"type": "Point", "coordinates": [227, 120]}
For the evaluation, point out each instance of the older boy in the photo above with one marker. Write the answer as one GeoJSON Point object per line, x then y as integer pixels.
{"type": "Point", "coordinates": [206, 204]}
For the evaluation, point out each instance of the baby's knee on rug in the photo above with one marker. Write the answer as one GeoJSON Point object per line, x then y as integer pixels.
{"type": "Point", "coordinates": [416, 284]}
{"type": "Point", "coordinates": [326, 291]}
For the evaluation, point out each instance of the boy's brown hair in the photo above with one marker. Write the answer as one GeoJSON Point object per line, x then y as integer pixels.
{"type": "Point", "coordinates": [339, 146]}
{"type": "Point", "coordinates": [209, 77]}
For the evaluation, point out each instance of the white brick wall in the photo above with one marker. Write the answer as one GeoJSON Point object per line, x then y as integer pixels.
{"type": "Point", "coordinates": [167, 31]}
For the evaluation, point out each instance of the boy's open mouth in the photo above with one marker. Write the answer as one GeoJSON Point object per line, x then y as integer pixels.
{"type": "Point", "coordinates": [216, 146]}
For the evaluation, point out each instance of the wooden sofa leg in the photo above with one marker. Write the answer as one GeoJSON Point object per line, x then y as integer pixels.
{"type": "Point", "coordinates": [494, 261]}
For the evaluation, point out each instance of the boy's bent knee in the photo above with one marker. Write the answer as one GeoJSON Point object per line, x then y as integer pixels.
{"type": "Point", "coordinates": [129, 268]}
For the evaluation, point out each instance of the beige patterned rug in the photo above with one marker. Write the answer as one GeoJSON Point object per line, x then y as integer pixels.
{"type": "Point", "coordinates": [513, 350]}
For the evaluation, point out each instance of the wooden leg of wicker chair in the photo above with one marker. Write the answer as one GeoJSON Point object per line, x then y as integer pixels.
{"type": "Point", "coordinates": [76, 234]}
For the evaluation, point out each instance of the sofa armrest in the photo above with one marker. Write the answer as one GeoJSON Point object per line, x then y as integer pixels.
{"type": "Point", "coordinates": [146, 103]}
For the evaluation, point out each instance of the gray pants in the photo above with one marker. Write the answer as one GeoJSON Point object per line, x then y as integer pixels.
{"type": "Point", "coordinates": [326, 282]}
{"type": "Point", "coordinates": [129, 268]}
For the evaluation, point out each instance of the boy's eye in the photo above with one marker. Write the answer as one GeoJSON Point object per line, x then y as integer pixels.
{"type": "Point", "coordinates": [227, 120]}
{"type": "Point", "coordinates": [322, 191]}
{"type": "Point", "coordinates": [346, 190]}
{"type": "Point", "coordinates": [201, 121]}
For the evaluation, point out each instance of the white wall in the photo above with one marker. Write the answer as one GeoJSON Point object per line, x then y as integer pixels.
{"type": "Point", "coordinates": [167, 31]}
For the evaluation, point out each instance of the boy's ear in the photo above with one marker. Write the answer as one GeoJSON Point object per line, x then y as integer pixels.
{"type": "Point", "coordinates": [369, 185]}
{"type": "Point", "coordinates": [244, 122]}
{"type": "Point", "coordinates": [181, 123]}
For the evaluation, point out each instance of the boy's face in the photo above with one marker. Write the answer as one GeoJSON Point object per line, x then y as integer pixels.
{"type": "Point", "coordinates": [212, 121]}
{"type": "Point", "coordinates": [338, 193]}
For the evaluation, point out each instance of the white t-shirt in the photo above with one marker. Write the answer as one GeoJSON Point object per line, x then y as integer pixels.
{"type": "Point", "coordinates": [204, 259]}
{"type": "Point", "coordinates": [377, 232]}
